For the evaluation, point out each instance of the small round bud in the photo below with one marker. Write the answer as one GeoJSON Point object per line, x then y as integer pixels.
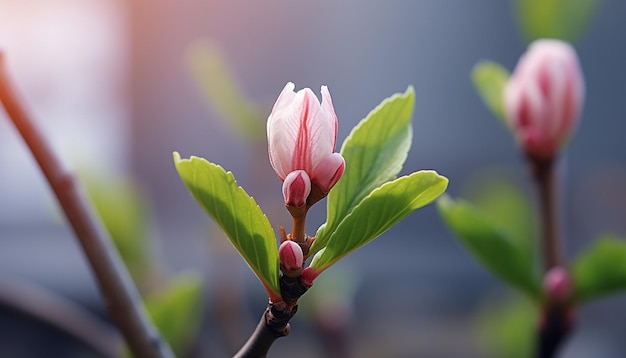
{"type": "Point", "coordinates": [308, 275]}
{"type": "Point", "coordinates": [296, 188]}
{"type": "Point", "coordinates": [291, 256]}
{"type": "Point", "coordinates": [557, 284]}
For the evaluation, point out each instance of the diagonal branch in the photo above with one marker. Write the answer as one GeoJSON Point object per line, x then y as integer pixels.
{"type": "Point", "coordinates": [121, 298]}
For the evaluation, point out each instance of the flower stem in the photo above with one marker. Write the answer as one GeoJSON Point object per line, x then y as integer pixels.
{"type": "Point", "coordinates": [543, 173]}
{"type": "Point", "coordinates": [274, 322]}
{"type": "Point", "coordinates": [120, 295]}
{"type": "Point", "coordinates": [556, 325]}
{"type": "Point", "coordinates": [299, 229]}
{"type": "Point", "coordinates": [263, 337]}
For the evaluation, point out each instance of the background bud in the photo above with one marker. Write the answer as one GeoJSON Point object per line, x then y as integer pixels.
{"type": "Point", "coordinates": [557, 284]}
{"type": "Point", "coordinates": [544, 96]}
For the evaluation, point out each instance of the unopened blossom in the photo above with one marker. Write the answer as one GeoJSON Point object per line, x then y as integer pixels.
{"type": "Point", "coordinates": [291, 256]}
{"type": "Point", "coordinates": [557, 284]}
{"type": "Point", "coordinates": [296, 188]}
{"type": "Point", "coordinates": [544, 97]}
{"type": "Point", "coordinates": [302, 133]}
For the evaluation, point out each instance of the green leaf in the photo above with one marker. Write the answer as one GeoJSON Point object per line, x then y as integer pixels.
{"type": "Point", "coordinates": [237, 214]}
{"type": "Point", "coordinates": [556, 19]}
{"type": "Point", "coordinates": [491, 246]}
{"type": "Point", "coordinates": [176, 311]}
{"type": "Point", "coordinates": [601, 270]}
{"type": "Point", "coordinates": [504, 203]}
{"type": "Point", "coordinates": [489, 79]}
{"type": "Point", "coordinates": [218, 83]}
{"type": "Point", "coordinates": [374, 153]}
{"type": "Point", "coordinates": [378, 212]}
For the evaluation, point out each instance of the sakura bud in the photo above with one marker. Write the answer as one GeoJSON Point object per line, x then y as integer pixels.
{"type": "Point", "coordinates": [544, 97]}
{"type": "Point", "coordinates": [291, 257]}
{"type": "Point", "coordinates": [557, 284]}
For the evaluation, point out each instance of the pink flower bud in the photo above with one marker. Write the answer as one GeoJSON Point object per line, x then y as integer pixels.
{"type": "Point", "coordinates": [308, 276]}
{"type": "Point", "coordinates": [290, 254]}
{"type": "Point", "coordinates": [296, 188]}
{"type": "Point", "coordinates": [302, 133]}
{"type": "Point", "coordinates": [544, 96]}
{"type": "Point", "coordinates": [557, 284]}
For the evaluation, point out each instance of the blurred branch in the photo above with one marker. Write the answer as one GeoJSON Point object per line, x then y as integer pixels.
{"type": "Point", "coordinates": [120, 296]}
{"type": "Point", "coordinates": [61, 314]}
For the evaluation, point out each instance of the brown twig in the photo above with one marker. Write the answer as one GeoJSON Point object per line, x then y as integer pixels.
{"type": "Point", "coordinates": [543, 174]}
{"type": "Point", "coordinates": [121, 298]}
{"type": "Point", "coordinates": [556, 323]}
{"type": "Point", "coordinates": [274, 322]}
{"type": "Point", "coordinates": [63, 315]}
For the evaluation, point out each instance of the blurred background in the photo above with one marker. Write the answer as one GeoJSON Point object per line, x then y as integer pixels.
{"type": "Point", "coordinates": [118, 86]}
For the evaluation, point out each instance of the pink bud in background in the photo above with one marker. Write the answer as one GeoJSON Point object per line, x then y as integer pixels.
{"type": "Point", "coordinates": [290, 254]}
{"type": "Point", "coordinates": [302, 134]}
{"type": "Point", "coordinates": [296, 188]}
{"type": "Point", "coordinates": [544, 96]}
{"type": "Point", "coordinates": [557, 284]}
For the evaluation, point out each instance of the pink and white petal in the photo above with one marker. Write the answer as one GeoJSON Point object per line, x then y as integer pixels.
{"type": "Point", "coordinates": [282, 130]}
{"type": "Point", "coordinates": [328, 172]}
{"type": "Point", "coordinates": [327, 106]}
{"type": "Point", "coordinates": [285, 97]}
{"type": "Point", "coordinates": [306, 115]}
{"type": "Point", "coordinates": [323, 129]}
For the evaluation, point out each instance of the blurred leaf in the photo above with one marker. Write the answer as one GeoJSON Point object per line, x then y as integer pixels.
{"type": "Point", "coordinates": [237, 214]}
{"type": "Point", "coordinates": [601, 270]}
{"type": "Point", "coordinates": [489, 79]}
{"type": "Point", "coordinates": [378, 212]}
{"type": "Point", "coordinates": [217, 81]}
{"type": "Point", "coordinates": [508, 327]}
{"type": "Point", "coordinates": [505, 204]}
{"type": "Point", "coordinates": [176, 311]}
{"type": "Point", "coordinates": [493, 248]}
{"type": "Point", "coordinates": [557, 19]}
{"type": "Point", "coordinates": [374, 153]}
{"type": "Point", "coordinates": [122, 210]}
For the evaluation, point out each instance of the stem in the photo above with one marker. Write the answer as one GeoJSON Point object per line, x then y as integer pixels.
{"type": "Point", "coordinates": [554, 330]}
{"type": "Point", "coordinates": [299, 229]}
{"type": "Point", "coordinates": [543, 172]}
{"type": "Point", "coordinates": [120, 295]}
{"type": "Point", "coordinates": [262, 338]}
{"type": "Point", "coordinates": [274, 322]}
{"type": "Point", "coordinates": [61, 314]}
{"type": "Point", "coordinates": [556, 325]}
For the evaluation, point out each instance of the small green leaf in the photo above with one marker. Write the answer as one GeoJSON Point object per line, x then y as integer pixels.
{"type": "Point", "coordinates": [504, 203]}
{"type": "Point", "coordinates": [374, 153]}
{"type": "Point", "coordinates": [601, 270]}
{"type": "Point", "coordinates": [176, 311]}
{"type": "Point", "coordinates": [378, 212]}
{"type": "Point", "coordinates": [492, 247]}
{"type": "Point", "coordinates": [237, 214]}
{"type": "Point", "coordinates": [489, 79]}
{"type": "Point", "coordinates": [555, 19]}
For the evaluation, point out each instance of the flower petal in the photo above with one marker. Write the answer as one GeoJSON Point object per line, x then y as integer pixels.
{"type": "Point", "coordinates": [328, 172]}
